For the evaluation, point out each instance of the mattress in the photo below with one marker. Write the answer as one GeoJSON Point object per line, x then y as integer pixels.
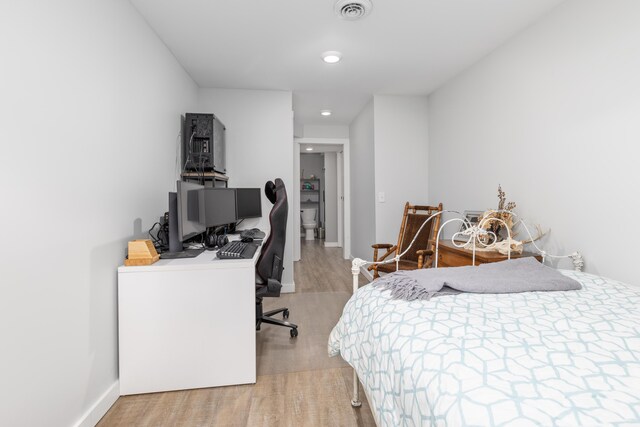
{"type": "Point", "coordinates": [536, 358]}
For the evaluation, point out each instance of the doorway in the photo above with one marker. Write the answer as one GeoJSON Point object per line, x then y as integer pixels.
{"type": "Point", "coordinates": [325, 189]}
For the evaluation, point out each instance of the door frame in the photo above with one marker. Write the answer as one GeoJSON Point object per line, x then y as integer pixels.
{"type": "Point", "coordinates": [340, 185]}
{"type": "Point", "coordinates": [345, 220]}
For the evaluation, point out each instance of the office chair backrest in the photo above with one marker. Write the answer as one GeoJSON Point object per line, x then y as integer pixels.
{"type": "Point", "coordinates": [270, 262]}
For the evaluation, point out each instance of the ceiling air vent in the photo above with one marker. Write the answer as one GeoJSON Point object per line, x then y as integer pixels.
{"type": "Point", "coordinates": [353, 9]}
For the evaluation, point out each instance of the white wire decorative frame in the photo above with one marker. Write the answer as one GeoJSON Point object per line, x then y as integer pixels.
{"type": "Point", "coordinates": [471, 235]}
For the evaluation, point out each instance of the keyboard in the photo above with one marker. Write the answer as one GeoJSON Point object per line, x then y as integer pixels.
{"type": "Point", "coordinates": [237, 250]}
{"type": "Point", "coordinates": [254, 233]}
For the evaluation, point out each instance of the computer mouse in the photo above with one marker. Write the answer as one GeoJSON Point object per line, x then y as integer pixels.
{"type": "Point", "coordinates": [246, 240]}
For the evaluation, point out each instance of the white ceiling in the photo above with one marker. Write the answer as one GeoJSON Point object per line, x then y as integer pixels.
{"type": "Point", "coordinates": [402, 47]}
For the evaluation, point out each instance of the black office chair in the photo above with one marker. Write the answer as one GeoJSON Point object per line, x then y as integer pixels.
{"type": "Point", "coordinates": [269, 267]}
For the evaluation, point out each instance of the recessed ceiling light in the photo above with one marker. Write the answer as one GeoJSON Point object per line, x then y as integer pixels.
{"type": "Point", "coordinates": [309, 148]}
{"type": "Point", "coordinates": [325, 112]}
{"type": "Point", "coordinates": [331, 57]}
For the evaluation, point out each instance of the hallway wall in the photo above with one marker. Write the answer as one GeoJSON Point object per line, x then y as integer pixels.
{"type": "Point", "coordinates": [90, 113]}
{"type": "Point", "coordinates": [363, 207]}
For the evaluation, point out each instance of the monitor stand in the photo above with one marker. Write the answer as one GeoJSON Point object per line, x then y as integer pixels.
{"type": "Point", "coordinates": [187, 253]}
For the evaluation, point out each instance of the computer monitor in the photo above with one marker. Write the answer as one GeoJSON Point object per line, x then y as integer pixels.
{"type": "Point", "coordinates": [217, 206]}
{"type": "Point", "coordinates": [248, 203]}
{"type": "Point", "coordinates": [189, 222]}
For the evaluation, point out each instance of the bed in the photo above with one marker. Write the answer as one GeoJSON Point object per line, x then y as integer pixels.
{"type": "Point", "coordinates": [534, 358]}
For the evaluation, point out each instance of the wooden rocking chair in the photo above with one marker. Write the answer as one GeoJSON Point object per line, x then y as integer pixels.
{"type": "Point", "coordinates": [421, 253]}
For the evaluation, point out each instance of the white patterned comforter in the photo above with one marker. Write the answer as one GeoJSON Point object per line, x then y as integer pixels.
{"type": "Point", "coordinates": [537, 358]}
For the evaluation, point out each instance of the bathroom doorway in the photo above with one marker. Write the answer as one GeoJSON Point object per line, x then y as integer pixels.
{"type": "Point", "coordinates": [321, 202]}
{"type": "Point", "coordinates": [315, 192]}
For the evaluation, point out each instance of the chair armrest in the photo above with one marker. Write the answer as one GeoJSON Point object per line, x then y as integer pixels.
{"type": "Point", "coordinates": [274, 286]}
{"type": "Point", "coordinates": [392, 249]}
{"type": "Point", "coordinates": [270, 289]}
{"type": "Point", "coordinates": [422, 254]}
{"type": "Point", "coordinates": [382, 246]}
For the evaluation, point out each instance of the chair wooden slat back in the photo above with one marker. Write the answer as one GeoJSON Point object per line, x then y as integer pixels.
{"type": "Point", "coordinates": [413, 218]}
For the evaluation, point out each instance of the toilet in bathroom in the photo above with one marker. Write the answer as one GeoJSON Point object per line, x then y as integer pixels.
{"type": "Point", "coordinates": [308, 222]}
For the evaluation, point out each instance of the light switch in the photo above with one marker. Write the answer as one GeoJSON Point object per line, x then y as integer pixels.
{"type": "Point", "coordinates": [381, 198]}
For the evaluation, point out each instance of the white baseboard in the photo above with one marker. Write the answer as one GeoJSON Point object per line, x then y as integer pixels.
{"type": "Point", "coordinates": [331, 244]}
{"type": "Point", "coordinates": [288, 288]}
{"type": "Point", "coordinates": [100, 406]}
{"type": "Point", "coordinates": [367, 273]}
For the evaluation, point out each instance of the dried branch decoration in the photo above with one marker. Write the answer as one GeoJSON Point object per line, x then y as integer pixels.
{"type": "Point", "coordinates": [502, 205]}
{"type": "Point", "coordinates": [491, 218]}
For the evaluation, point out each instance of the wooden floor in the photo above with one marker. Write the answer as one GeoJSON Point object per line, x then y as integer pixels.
{"type": "Point", "coordinates": [297, 384]}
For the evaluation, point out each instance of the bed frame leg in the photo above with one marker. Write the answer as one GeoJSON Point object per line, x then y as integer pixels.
{"type": "Point", "coordinates": [355, 401]}
{"type": "Point", "coordinates": [355, 271]}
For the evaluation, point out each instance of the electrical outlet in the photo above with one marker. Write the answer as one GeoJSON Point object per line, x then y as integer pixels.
{"type": "Point", "coordinates": [381, 197]}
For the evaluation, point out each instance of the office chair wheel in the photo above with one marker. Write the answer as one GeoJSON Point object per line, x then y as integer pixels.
{"type": "Point", "coordinates": [294, 333]}
{"type": "Point", "coordinates": [285, 314]}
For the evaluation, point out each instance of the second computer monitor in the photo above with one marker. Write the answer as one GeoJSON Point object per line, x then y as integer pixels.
{"type": "Point", "coordinates": [189, 221]}
{"type": "Point", "coordinates": [217, 206]}
{"type": "Point", "coordinates": [248, 203]}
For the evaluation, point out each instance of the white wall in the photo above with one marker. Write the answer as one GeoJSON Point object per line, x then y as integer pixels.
{"type": "Point", "coordinates": [325, 131]}
{"type": "Point", "coordinates": [90, 113]}
{"type": "Point", "coordinates": [259, 148]}
{"type": "Point", "coordinates": [362, 188]}
{"type": "Point", "coordinates": [553, 117]}
{"type": "Point", "coordinates": [401, 146]}
{"type": "Point", "coordinates": [331, 197]}
{"type": "Point", "coordinates": [313, 164]}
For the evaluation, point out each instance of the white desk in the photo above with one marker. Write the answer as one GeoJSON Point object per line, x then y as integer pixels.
{"type": "Point", "coordinates": [187, 323]}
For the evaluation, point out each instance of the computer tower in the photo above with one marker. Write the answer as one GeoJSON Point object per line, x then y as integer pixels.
{"type": "Point", "coordinates": [203, 148]}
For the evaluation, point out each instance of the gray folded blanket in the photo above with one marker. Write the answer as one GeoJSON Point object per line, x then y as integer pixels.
{"type": "Point", "coordinates": [512, 276]}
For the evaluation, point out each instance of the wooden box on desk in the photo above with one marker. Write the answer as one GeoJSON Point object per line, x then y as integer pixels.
{"type": "Point", "coordinates": [451, 256]}
{"type": "Point", "coordinates": [141, 252]}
